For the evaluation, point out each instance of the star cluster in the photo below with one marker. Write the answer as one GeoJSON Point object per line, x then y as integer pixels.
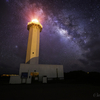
{"type": "Point", "coordinates": [70, 35]}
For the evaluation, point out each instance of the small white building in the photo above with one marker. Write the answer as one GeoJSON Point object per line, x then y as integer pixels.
{"type": "Point", "coordinates": [31, 70]}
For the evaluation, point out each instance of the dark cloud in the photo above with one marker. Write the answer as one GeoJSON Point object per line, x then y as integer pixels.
{"type": "Point", "coordinates": [85, 62]}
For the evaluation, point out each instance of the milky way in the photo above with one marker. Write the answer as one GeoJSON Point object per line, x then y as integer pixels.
{"type": "Point", "coordinates": [70, 35]}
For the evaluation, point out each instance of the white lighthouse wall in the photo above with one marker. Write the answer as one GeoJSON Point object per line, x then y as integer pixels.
{"type": "Point", "coordinates": [15, 80]}
{"type": "Point", "coordinates": [44, 70]}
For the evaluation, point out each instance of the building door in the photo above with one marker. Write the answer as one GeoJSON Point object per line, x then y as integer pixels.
{"type": "Point", "coordinates": [35, 77]}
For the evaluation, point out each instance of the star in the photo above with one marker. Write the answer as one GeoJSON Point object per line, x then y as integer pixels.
{"type": "Point", "coordinates": [16, 46]}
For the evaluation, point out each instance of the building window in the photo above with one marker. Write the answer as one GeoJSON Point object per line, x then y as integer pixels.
{"type": "Point", "coordinates": [24, 75]}
{"type": "Point", "coordinates": [34, 70]}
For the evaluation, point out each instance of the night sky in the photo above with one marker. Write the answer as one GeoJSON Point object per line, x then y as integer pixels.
{"type": "Point", "coordinates": [70, 35]}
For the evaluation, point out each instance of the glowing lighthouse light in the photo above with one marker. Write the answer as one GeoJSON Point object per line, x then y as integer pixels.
{"type": "Point", "coordinates": [35, 20]}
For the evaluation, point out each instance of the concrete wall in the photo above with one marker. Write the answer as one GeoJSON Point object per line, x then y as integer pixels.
{"type": "Point", "coordinates": [28, 81]}
{"type": "Point", "coordinates": [15, 80]}
{"type": "Point", "coordinates": [44, 70]}
{"type": "Point", "coordinates": [18, 80]}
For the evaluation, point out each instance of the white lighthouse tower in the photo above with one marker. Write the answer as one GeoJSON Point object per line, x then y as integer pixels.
{"type": "Point", "coordinates": [32, 56]}
{"type": "Point", "coordinates": [32, 70]}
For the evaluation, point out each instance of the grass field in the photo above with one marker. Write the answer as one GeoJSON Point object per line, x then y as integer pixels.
{"type": "Point", "coordinates": [51, 91]}
{"type": "Point", "coordinates": [75, 86]}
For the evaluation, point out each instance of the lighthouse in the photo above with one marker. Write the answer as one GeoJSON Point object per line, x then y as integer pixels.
{"type": "Point", "coordinates": [32, 55]}
{"type": "Point", "coordinates": [31, 70]}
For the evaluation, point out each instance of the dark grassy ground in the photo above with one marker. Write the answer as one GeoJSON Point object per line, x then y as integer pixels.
{"type": "Point", "coordinates": [52, 91]}
{"type": "Point", "coordinates": [76, 86]}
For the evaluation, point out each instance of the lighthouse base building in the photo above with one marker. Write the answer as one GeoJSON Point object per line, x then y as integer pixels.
{"type": "Point", "coordinates": [31, 71]}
